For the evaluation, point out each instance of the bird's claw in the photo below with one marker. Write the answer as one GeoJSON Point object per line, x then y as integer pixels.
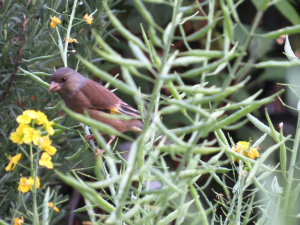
{"type": "Point", "coordinates": [89, 137]}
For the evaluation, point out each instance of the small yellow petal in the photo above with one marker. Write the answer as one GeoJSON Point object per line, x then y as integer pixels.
{"type": "Point", "coordinates": [252, 153]}
{"type": "Point", "coordinates": [54, 21]}
{"type": "Point", "coordinates": [46, 161]}
{"type": "Point", "coordinates": [31, 182]}
{"type": "Point", "coordinates": [31, 135]}
{"type": "Point", "coordinates": [40, 118]}
{"type": "Point", "coordinates": [16, 137]}
{"type": "Point", "coordinates": [38, 184]}
{"type": "Point", "coordinates": [88, 19]}
{"type": "Point", "coordinates": [24, 185]}
{"type": "Point", "coordinates": [52, 24]}
{"type": "Point", "coordinates": [13, 161]}
{"type": "Point", "coordinates": [50, 149]}
{"type": "Point", "coordinates": [48, 127]}
{"type": "Point", "coordinates": [241, 148]}
{"type": "Point", "coordinates": [18, 221]}
{"type": "Point", "coordinates": [23, 119]}
{"type": "Point", "coordinates": [30, 113]}
{"type": "Point", "coordinates": [9, 166]}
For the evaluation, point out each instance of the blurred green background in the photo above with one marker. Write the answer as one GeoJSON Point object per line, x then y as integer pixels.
{"type": "Point", "coordinates": [23, 38]}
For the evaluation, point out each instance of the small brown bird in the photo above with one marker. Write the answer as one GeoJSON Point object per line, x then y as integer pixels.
{"type": "Point", "coordinates": [82, 94]}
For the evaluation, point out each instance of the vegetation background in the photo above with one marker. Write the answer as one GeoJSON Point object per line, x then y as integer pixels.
{"type": "Point", "coordinates": [25, 34]}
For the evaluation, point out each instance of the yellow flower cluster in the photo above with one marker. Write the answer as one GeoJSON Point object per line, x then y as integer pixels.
{"type": "Point", "coordinates": [88, 19]}
{"type": "Point", "coordinates": [54, 21]}
{"type": "Point", "coordinates": [50, 205]}
{"type": "Point", "coordinates": [26, 184]}
{"type": "Point", "coordinates": [27, 134]}
{"type": "Point", "coordinates": [71, 40]}
{"type": "Point", "coordinates": [18, 221]}
{"type": "Point", "coordinates": [242, 146]}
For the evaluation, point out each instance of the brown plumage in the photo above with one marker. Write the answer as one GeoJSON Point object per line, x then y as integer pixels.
{"type": "Point", "coordinates": [82, 94]}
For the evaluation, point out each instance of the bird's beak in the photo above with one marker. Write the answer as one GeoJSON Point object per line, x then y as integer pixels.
{"type": "Point", "coordinates": [54, 86]}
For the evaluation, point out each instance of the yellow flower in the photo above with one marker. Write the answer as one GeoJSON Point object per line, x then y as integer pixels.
{"type": "Point", "coordinates": [18, 221]}
{"type": "Point", "coordinates": [13, 160]}
{"type": "Point", "coordinates": [252, 153]}
{"type": "Point", "coordinates": [50, 204]}
{"type": "Point", "coordinates": [71, 40]}
{"type": "Point", "coordinates": [88, 19]}
{"type": "Point", "coordinates": [48, 126]}
{"type": "Point", "coordinates": [45, 144]}
{"type": "Point", "coordinates": [27, 116]}
{"type": "Point", "coordinates": [40, 118]}
{"type": "Point", "coordinates": [31, 114]}
{"type": "Point", "coordinates": [54, 21]}
{"type": "Point", "coordinates": [26, 134]}
{"type": "Point", "coordinates": [17, 136]}
{"type": "Point", "coordinates": [26, 184]}
{"type": "Point", "coordinates": [242, 146]}
{"type": "Point", "coordinates": [23, 132]}
{"type": "Point", "coordinates": [31, 135]}
{"type": "Point", "coordinates": [31, 182]}
{"type": "Point", "coordinates": [46, 161]}
{"type": "Point", "coordinates": [23, 119]}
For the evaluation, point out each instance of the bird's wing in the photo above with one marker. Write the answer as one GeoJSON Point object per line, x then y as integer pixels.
{"type": "Point", "coordinates": [102, 99]}
{"type": "Point", "coordinates": [126, 109]}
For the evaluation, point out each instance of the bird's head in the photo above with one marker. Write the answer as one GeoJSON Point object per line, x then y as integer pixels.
{"type": "Point", "coordinates": [66, 81]}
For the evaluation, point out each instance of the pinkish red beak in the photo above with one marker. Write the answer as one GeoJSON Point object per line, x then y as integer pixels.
{"type": "Point", "coordinates": [54, 86]}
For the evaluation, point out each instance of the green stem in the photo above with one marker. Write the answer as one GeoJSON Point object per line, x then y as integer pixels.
{"type": "Point", "coordinates": [68, 33]}
{"type": "Point", "coordinates": [208, 37]}
{"type": "Point", "coordinates": [158, 85]}
{"type": "Point", "coordinates": [244, 47]}
{"type": "Point", "coordinates": [33, 176]}
{"type": "Point", "coordinates": [31, 161]}
{"type": "Point", "coordinates": [288, 187]}
{"type": "Point", "coordinates": [239, 194]}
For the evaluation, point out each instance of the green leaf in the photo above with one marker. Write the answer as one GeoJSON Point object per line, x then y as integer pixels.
{"type": "Point", "coordinates": [275, 186]}
{"type": "Point", "coordinates": [286, 9]}
{"type": "Point", "coordinates": [288, 50]}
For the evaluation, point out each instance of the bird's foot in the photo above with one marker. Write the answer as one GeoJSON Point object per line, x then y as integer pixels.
{"type": "Point", "coordinates": [98, 151]}
{"type": "Point", "coordinates": [89, 137]}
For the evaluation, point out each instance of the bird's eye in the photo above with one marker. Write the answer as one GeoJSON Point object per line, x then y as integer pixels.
{"type": "Point", "coordinates": [63, 79]}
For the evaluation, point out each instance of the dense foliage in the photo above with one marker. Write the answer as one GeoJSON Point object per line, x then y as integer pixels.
{"type": "Point", "coordinates": [186, 66]}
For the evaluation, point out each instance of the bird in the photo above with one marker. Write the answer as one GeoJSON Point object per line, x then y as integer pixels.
{"type": "Point", "coordinates": [81, 95]}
